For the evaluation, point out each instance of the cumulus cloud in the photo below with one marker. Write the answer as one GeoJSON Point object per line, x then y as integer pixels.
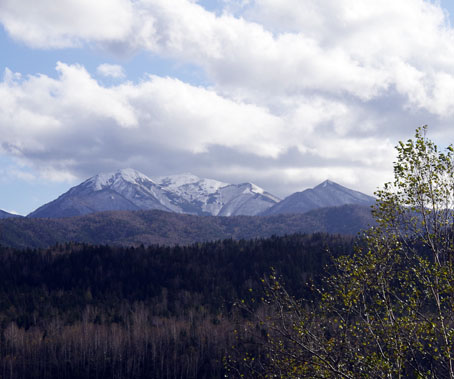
{"type": "Point", "coordinates": [74, 116]}
{"type": "Point", "coordinates": [111, 70]}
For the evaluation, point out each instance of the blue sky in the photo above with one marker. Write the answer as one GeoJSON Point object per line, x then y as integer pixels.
{"type": "Point", "coordinates": [282, 93]}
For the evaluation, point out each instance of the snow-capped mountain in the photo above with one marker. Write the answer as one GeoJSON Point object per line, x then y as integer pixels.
{"type": "Point", "coordinates": [125, 189]}
{"type": "Point", "coordinates": [129, 189]}
{"type": "Point", "coordinates": [326, 194]}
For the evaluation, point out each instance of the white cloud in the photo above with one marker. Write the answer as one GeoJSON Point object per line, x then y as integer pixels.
{"type": "Point", "coordinates": [40, 115]}
{"type": "Point", "coordinates": [67, 23]}
{"type": "Point", "coordinates": [14, 172]}
{"type": "Point", "coordinates": [280, 48]}
{"type": "Point", "coordinates": [111, 70]}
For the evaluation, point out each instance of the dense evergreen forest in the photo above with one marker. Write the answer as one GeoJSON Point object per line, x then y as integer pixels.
{"type": "Point", "coordinates": [84, 311]}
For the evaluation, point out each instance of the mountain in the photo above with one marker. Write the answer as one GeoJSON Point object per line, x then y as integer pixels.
{"type": "Point", "coordinates": [157, 227]}
{"type": "Point", "coordinates": [4, 214]}
{"type": "Point", "coordinates": [326, 194]}
{"type": "Point", "coordinates": [129, 189]}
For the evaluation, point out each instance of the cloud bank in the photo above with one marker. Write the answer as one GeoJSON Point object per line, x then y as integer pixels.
{"type": "Point", "coordinates": [300, 90]}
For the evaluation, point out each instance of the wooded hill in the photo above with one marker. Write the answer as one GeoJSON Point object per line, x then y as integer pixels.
{"type": "Point", "coordinates": [133, 228]}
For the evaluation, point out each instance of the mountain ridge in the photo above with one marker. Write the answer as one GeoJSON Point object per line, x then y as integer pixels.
{"type": "Point", "coordinates": [131, 190]}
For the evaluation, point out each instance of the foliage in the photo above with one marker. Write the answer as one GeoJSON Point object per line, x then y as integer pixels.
{"type": "Point", "coordinates": [388, 310]}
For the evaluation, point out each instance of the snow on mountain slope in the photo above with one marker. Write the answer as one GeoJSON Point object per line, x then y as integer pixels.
{"type": "Point", "coordinates": [217, 198]}
{"type": "Point", "coordinates": [245, 199]}
{"type": "Point", "coordinates": [326, 194]}
{"type": "Point", "coordinates": [136, 187]}
{"type": "Point", "coordinates": [126, 175]}
{"type": "Point", "coordinates": [177, 182]}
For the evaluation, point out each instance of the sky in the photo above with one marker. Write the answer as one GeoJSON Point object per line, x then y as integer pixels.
{"type": "Point", "coordinates": [281, 93]}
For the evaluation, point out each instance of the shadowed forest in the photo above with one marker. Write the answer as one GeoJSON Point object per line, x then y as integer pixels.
{"type": "Point", "coordinates": [83, 311]}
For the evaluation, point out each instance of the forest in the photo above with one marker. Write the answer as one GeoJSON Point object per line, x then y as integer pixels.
{"type": "Point", "coordinates": [87, 311]}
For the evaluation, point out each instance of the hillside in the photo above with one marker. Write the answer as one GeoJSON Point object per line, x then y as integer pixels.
{"type": "Point", "coordinates": [158, 227]}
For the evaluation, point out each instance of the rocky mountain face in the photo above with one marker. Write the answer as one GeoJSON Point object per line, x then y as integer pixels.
{"type": "Point", "coordinates": [129, 189]}
{"type": "Point", "coordinates": [326, 194]}
{"type": "Point", "coordinates": [4, 214]}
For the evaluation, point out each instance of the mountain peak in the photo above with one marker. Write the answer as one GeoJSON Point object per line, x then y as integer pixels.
{"type": "Point", "coordinates": [106, 179]}
{"type": "Point", "coordinates": [326, 194]}
{"type": "Point", "coordinates": [326, 183]}
{"type": "Point", "coordinates": [131, 175]}
{"type": "Point", "coordinates": [130, 172]}
{"type": "Point", "coordinates": [255, 188]}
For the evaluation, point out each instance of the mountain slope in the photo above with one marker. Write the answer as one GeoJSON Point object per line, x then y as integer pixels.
{"type": "Point", "coordinates": [4, 214]}
{"type": "Point", "coordinates": [157, 227]}
{"type": "Point", "coordinates": [129, 189]}
{"type": "Point", "coordinates": [326, 194]}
